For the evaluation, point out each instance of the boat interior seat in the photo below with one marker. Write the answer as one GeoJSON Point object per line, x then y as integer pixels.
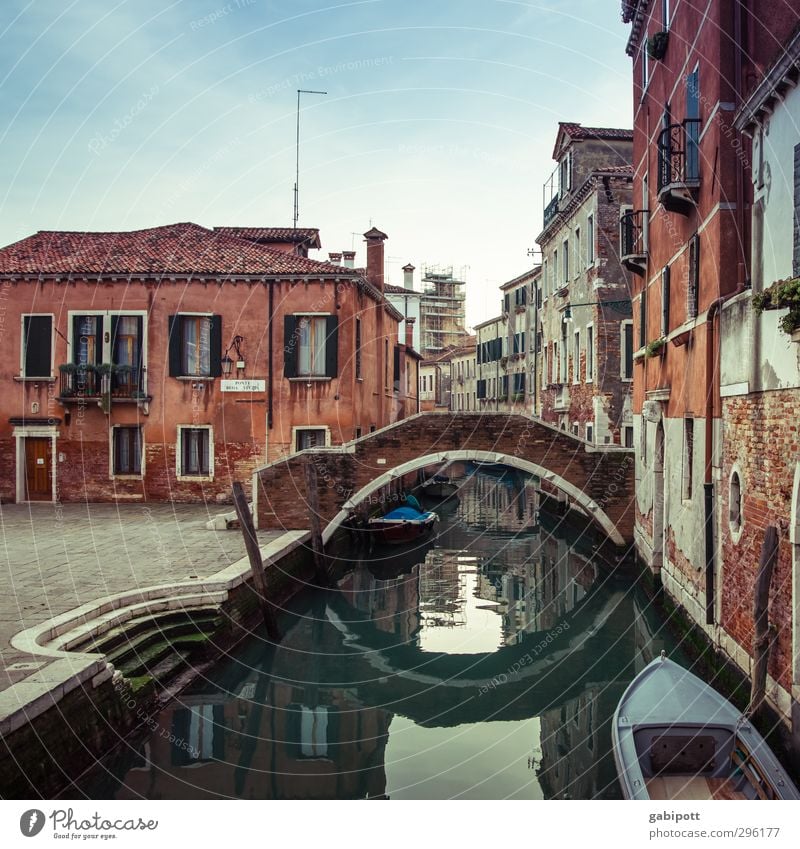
{"type": "Point", "coordinates": [682, 754]}
{"type": "Point", "coordinates": [692, 787]}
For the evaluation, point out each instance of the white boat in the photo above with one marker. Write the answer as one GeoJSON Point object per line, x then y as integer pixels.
{"type": "Point", "coordinates": [675, 737]}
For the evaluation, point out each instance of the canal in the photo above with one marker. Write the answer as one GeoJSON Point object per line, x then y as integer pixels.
{"type": "Point", "coordinates": [486, 664]}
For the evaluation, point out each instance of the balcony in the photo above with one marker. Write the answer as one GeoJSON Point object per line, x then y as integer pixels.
{"type": "Point", "coordinates": [632, 245]}
{"type": "Point", "coordinates": [679, 166]}
{"type": "Point", "coordinates": [550, 211]}
{"type": "Point", "coordinates": [80, 383]}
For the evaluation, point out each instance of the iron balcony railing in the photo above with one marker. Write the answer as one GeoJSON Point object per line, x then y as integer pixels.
{"type": "Point", "coordinates": [678, 153]}
{"type": "Point", "coordinates": [550, 211]}
{"type": "Point", "coordinates": [90, 381]}
{"type": "Point", "coordinates": [632, 233]}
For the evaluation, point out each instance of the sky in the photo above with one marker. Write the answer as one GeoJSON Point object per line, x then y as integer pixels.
{"type": "Point", "coordinates": [437, 127]}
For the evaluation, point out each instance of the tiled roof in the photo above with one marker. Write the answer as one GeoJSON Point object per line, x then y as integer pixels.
{"type": "Point", "coordinates": [399, 290]}
{"type": "Point", "coordinates": [184, 248]}
{"type": "Point", "coordinates": [309, 235]}
{"type": "Point", "coordinates": [578, 133]}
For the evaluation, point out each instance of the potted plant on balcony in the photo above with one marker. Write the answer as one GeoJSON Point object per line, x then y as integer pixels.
{"type": "Point", "coordinates": [783, 294]}
{"type": "Point", "coordinates": [68, 383]}
{"type": "Point", "coordinates": [657, 45]}
{"type": "Point", "coordinates": [655, 348]}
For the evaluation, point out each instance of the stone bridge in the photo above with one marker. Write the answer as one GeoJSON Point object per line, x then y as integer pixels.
{"type": "Point", "coordinates": [600, 478]}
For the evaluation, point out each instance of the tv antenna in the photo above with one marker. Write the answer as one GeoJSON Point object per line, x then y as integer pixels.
{"type": "Point", "coordinates": [297, 150]}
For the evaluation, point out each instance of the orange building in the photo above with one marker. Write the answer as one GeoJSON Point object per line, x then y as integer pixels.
{"type": "Point", "coordinates": [163, 364]}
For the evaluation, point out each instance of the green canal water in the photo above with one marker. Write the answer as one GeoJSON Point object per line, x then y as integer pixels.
{"type": "Point", "coordinates": [485, 665]}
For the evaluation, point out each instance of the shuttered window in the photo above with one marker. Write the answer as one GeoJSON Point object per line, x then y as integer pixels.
{"type": "Point", "coordinates": [37, 346]}
{"type": "Point", "coordinates": [311, 346]}
{"type": "Point", "coordinates": [127, 451]}
{"type": "Point", "coordinates": [195, 345]}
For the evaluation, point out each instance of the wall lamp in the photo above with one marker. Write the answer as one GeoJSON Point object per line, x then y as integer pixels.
{"type": "Point", "coordinates": [227, 362]}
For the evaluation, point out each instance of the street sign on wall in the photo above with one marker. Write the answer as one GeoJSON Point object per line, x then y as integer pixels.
{"type": "Point", "coordinates": [243, 385]}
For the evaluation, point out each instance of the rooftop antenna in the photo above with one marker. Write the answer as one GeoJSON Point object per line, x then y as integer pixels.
{"type": "Point", "coordinates": [297, 149]}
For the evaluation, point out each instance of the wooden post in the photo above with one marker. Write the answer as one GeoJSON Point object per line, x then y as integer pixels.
{"type": "Point", "coordinates": [763, 632]}
{"type": "Point", "coordinates": [256, 563]}
{"type": "Point", "coordinates": [312, 498]}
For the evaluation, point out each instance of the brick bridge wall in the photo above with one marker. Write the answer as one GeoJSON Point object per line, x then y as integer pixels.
{"type": "Point", "coordinates": [599, 477]}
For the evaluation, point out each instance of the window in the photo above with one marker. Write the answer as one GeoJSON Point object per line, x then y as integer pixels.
{"type": "Point", "coordinates": [565, 173]}
{"type": "Point", "coordinates": [195, 345]}
{"type": "Point", "coordinates": [194, 451]}
{"type": "Point", "coordinates": [578, 255]}
{"type": "Point", "coordinates": [694, 276]}
{"type": "Point", "coordinates": [688, 457]}
{"type": "Point", "coordinates": [735, 498]}
{"type": "Point", "coordinates": [564, 354]}
{"type": "Point", "coordinates": [589, 433]}
{"type": "Point", "coordinates": [643, 318]}
{"type": "Point", "coordinates": [358, 348]}
{"type": "Point", "coordinates": [589, 353]}
{"type": "Point", "coordinates": [575, 429]}
{"type": "Point", "coordinates": [626, 360]}
{"type": "Point", "coordinates": [665, 300]}
{"type": "Point", "coordinates": [127, 450]}
{"type": "Point", "coordinates": [643, 436]}
{"type": "Point", "coordinates": [590, 240]}
{"type": "Point", "coordinates": [310, 437]}
{"type": "Point", "coordinates": [645, 66]}
{"type": "Point", "coordinates": [311, 346]}
{"type": "Point", "coordinates": [37, 346]}
{"type": "Point", "coordinates": [576, 358]}
{"type": "Point", "coordinates": [627, 436]}
{"type": "Point", "coordinates": [358, 433]}
{"type": "Point", "coordinates": [565, 260]}
{"type": "Point", "coordinates": [545, 373]}
{"type": "Point", "coordinates": [545, 282]}
{"type": "Point", "coordinates": [386, 364]}
{"type": "Point", "coordinates": [555, 270]}
{"type": "Point", "coordinates": [396, 369]}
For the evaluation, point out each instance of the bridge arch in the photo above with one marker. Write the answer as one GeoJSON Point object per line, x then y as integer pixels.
{"type": "Point", "coordinates": [453, 456]}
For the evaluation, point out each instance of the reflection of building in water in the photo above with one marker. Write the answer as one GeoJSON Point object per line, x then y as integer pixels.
{"type": "Point", "coordinates": [573, 736]}
{"type": "Point", "coordinates": [392, 605]}
{"type": "Point", "coordinates": [442, 588]}
{"type": "Point", "coordinates": [277, 736]}
{"type": "Point", "coordinates": [508, 503]}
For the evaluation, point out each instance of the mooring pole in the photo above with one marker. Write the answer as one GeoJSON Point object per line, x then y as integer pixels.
{"type": "Point", "coordinates": [312, 498]}
{"type": "Point", "coordinates": [763, 632]}
{"type": "Point", "coordinates": [254, 554]}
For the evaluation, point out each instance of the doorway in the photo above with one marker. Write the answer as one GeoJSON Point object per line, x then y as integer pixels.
{"type": "Point", "coordinates": [38, 468]}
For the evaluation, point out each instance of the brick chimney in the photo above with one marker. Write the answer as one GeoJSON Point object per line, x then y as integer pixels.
{"type": "Point", "coordinates": [410, 332]}
{"type": "Point", "coordinates": [349, 259]}
{"type": "Point", "coordinates": [375, 239]}
{"type": "Point", "coordinates": [335, 258]}
{"type": "Point", "coordinates": [408, 276]}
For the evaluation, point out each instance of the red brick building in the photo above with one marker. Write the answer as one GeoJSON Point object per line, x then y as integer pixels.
{"type": "Point", "coordinates": [702, 440]}
{"type": "Point", "coordinates": [163, 364]}
{"type": "Point", "coordinates": [583, 353]}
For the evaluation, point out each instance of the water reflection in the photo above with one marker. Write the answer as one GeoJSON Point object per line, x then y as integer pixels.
{"type": "Point", "coordinates": [490, 667]}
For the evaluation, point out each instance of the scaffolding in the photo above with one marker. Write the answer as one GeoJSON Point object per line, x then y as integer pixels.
{"type": "Point", "coordinates": [442, 309]}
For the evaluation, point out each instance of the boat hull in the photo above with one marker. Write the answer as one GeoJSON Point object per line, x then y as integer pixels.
{"type": "Point", "coordinates": [674, 737]}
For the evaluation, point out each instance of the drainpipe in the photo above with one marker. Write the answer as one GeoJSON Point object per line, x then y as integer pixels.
{"type": "Point", "coordinates": [271, 284]}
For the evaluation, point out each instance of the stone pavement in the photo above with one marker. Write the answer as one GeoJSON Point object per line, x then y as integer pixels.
{"type": "Point", "coordinates": [55, 557]}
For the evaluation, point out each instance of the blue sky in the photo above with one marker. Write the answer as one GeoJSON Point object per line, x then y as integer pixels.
{"type": "Point", "coordinates": [438, 125]}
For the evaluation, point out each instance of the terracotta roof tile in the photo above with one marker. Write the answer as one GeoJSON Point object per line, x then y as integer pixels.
{"type": "Point", "coordinates": [576, 132]}
{"type": "Point", "coordinates": [184, 248]}
{"type": "Point", "coordinates": [274, 234]}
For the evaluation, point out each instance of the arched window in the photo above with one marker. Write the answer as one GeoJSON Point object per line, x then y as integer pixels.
{"type": "Point", "coordinates": [735, 502]}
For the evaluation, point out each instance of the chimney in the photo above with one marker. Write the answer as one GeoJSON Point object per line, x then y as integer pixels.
{"type": "Point", "coordinates": [349, 259]}
{"type": "Point", "coordinates": [335, 258]}
{"type": "Point", "coordinates": [410, 332]}
{"type": "Point", "coordinates": [408, 276]}
{"type": "Point", "coordinates": [375, 240]}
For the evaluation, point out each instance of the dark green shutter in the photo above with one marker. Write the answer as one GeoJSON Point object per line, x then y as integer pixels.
{"type": "Point", "coordinates": [139, 359]}
{"type": "Point", "coordinates": [76, 339]}
{"type": "Point", "coordinates": [114, 326]}
{"type": "Point", "coordinates": [332, 347]}
{"type": "Point", "coordinates": [174, 334]}
{"type": "Point", "coordinates": [290, 343]}
{"type": "Point", "coordinates": [397, 368]}
{"type": "Point", "coordinates": [38, 345]}
{"type": "Point", "coordinates": [216, 345]}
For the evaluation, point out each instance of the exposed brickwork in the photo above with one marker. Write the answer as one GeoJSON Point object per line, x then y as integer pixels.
{"type": "Point", "coordinates": [762, 443]}
{"type": "Point", "coordinates": [604, 476]}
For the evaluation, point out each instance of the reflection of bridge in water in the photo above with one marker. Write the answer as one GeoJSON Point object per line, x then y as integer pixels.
{"type": "Point", "coordinates": [312, 717]}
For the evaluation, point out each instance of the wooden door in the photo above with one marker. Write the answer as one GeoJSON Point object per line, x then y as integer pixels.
{"type": "Point", "coordinates": [38, 469]}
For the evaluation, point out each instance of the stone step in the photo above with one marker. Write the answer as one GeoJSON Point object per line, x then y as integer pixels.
{"type": "Point", "coordinates": [125, 633]}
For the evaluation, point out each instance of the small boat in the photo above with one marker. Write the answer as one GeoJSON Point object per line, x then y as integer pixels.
{"type": "Point", "coordinates": [402, 525]}
{"type": "Point", "coordinates": [439, 486]}
{"type": "Point", "coordinates": [675, 737]}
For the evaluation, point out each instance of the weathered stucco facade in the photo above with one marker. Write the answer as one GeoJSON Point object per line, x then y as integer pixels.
{"type": "Point", "coordinates": [583, 323]}
{"type": "Point", "coordinates": [163, 364]}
